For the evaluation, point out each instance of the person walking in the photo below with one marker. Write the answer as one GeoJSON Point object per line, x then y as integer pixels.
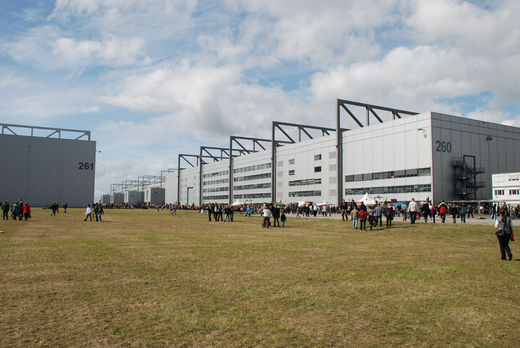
{"type": "Point", "coordinates": [88, 213]}
{"type": "Point", "coordinates": [283, 218]}
{"type": "Point", "coordinates": [454, 211]}
{"type": "Point", "coordinates": [433, 212]}
{"type": "Point", "coordinates": [504, 233]}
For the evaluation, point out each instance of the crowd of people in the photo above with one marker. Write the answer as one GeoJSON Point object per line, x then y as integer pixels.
{"type": "Point", "coordinates": [19, 210]}
{"type": "Point", "coordinates": [96, 209]}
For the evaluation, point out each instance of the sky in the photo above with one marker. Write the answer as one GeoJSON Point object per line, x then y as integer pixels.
{"type": "Point", "coordinates": [152, 79]}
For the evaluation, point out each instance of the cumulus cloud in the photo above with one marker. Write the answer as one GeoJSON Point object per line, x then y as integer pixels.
{"type": "Point", "coordinates": [183, 72]}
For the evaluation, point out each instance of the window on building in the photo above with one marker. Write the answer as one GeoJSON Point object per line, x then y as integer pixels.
{"type": "Point", "coordinates": [499, 192]}
{"type": "Point", "coordinates": [514, 192]}
{"type": "Point", "coordinates": [317, 157]}
{"type": "Point", "coordinates": [367, 176]}
{"type": "Point", "coordinates": [317, 169]}
{"type": "Point", "coordinates": [291, 161]}
{"type": "Point", "coordinates": [291, 172]}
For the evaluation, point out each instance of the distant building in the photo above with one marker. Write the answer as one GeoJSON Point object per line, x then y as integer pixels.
{"type": "Point", "coordinates": [506, 187]}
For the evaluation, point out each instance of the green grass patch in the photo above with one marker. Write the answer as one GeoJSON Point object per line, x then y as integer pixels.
{"type": "Point", "coordinates": [147, 278]}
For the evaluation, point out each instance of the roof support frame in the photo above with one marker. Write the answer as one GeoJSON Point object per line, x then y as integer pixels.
{"type": "Point", "coordinates": [244, 150]}
{"type": "Point", "coordinates": [370, 109]}
{"type": "Point", "coordinates": [302, 128]}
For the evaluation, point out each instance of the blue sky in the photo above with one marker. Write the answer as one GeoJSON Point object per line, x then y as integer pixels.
{"type": "Point", "coordinates": [155, 78]}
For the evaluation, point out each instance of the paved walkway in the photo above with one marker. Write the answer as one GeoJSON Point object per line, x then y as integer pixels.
{"type": "Point", "coordinates": [482, 220]}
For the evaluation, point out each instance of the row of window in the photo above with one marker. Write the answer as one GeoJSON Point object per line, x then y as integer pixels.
{"type": "Point", "coordinates": [252, 168]}
{"type": "Point", "coordinates": [214, 198]}
{"type": "Point", "coordinates": [215, 182]}
{"type": "Point", "coordinates": [252, 177]}
{"type": "Point", "coordinates": [389, 175]}
{"type": "Point", "coordinates": [511, 192]}
{"type": "Point", "coordinates": [216, 189]}
{"type": "Point", "coordinates": [305, 182]}
{"type": "Point", "coordinates": [389, 189]}
{"type": "Point", "coordinates": [252, 186]}
{"type": "Point", "coordinates": [316, 170]}
{"type": "Point", "coordinates": [220, 173]}
{"type": "Point", "coordinates": [253, 195]}
{"type": "Point", "coordinates": [315, 193]}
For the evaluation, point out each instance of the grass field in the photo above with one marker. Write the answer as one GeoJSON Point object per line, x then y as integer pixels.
{"type": "Point", "coordinates": [146, 278]}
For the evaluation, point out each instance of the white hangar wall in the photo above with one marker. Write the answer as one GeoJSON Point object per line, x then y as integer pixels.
{"type": "Point", "coordinates": [215, 179]}
{"type": "Point", "coordinates": [170, 187]}
{"type": "Point", "coordinates": [390, 160]}
{"type": "Point", "coordinates": [189, 186]}
{"type": "Point", "coordinates": [306, 171]}
{"type": "Point", "coordinates": [252, 177]}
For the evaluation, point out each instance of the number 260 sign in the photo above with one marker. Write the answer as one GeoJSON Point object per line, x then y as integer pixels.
{"type": "Point", "coordinates": [442, 146]}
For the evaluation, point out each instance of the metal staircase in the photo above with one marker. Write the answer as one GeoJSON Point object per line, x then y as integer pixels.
{"type": "Point", "coordinates": [465, 175]}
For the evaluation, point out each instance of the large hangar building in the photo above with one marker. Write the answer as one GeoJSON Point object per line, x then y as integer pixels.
{"type": "Point", "coordinates": [43, 165]}
{"type": "Point", "coordinates": [423, 156]}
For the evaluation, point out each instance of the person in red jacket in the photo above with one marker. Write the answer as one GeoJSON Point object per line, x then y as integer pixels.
{"type": "Point", "coordinates": [26, 211]}
{"type": "Point", "coordinates": [362, 216]}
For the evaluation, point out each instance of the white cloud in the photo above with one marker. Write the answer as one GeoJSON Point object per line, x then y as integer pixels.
{"type": "Point", "coordinates": [414, 78]}
{"type": "Point", "coordinates": [113, 52]}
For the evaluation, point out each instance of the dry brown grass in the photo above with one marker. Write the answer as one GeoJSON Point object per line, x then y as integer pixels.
{"type": "Point", "coordinates": [146, 278]}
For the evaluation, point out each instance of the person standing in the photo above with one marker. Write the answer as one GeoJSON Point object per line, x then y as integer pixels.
{"type": "Point", "coordinates": [362, 215]}
{"type": "Point", "coordinates": [504, 233]}
{"type": "Point", "coordinates": [266, 213]}
{"type": "Point", "coordinates": [379, 214]}
{"type": "Point", "coordinates": [283, 218]}
{"type": "Point", "coordinates": [462, 212]}
{"type": "Point", "coordinates": [276, 215]}
{"type": "Point", "coordinates": [5, 210]}
{"type": "Point", "coordinates": [65, 208]}
{"type": "Point", "coordinates": [443, 209]}
{"type": "Point", "coordinates": [371, 217]}
{"type": "Point", "coordinates": [389, 214]}
{"type": "Point", "coordinates": [412, 209]}
{"type": "Point", "coordinates": [26, 211]}
{"type": "Point", "coordinates": [209, 208]}
{"type": "Point", "coordinates": [425, 211]}
{"type": "Point", "coordinates": [88, 213]}
{"type": "Point", "coordinates": [344, 208]}
{"type": "Point", "coordinates": [354, 215]}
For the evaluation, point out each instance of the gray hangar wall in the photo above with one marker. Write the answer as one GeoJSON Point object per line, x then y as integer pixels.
{"type": "Point", "coordinates": [494, 146]}
{"type": "Point", "coordinates": [45, 170]}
